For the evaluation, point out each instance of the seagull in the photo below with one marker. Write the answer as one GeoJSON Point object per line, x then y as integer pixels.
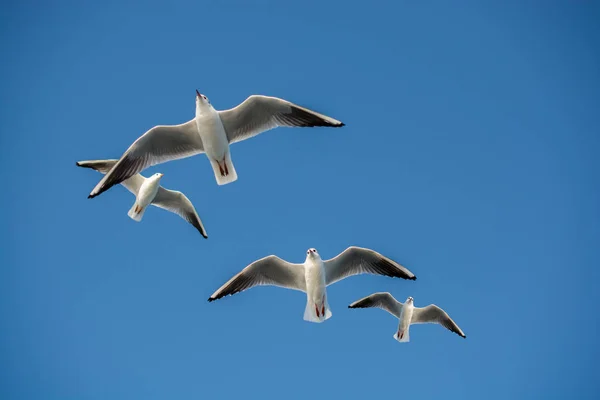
{"type": "Point", "coordinates": [210, 132]}
{"type": "Point", "coordinates": [148, 191]}
{"type": "Point", "coordinates": [408, 314]}
{"type": "Point", "coordinates": [313, 276]}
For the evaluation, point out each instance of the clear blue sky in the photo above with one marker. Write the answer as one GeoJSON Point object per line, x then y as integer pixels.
{"type": "Point", "coordinates": [470, 155]}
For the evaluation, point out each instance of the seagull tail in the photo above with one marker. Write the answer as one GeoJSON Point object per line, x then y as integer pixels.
{"type": "Point", "coordinates": [136, 213]}
{"type": "Point", "coordinates": [314, 313]}
{"type": "Point", "coordinates": [224, 170]}
{"type": "Point", "coordinates": [402, 337]}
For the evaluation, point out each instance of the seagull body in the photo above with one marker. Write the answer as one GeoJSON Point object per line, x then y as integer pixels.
{"type": "Point", "coordinates": [210, 132]}
{"type": "Point", "coordinates": [313, 276]}
{"type": "Point", "coordinates": [145, 196]}
{"type": "Point", "coordinates": [317, 307]}
{"type": "Point", "coordinates": [148, 191]}
{"type": "Point", "coordinates": [408, 314]}
{"type": "Point", "coordinates": [214, 140]}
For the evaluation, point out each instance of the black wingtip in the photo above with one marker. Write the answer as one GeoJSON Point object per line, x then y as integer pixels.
{"type": "Point", "coordinates": [92, 194]}
{"type": "Point", "coordinates": [210, 299]}
{"type": "Point", "coordinates": [77, 163]}
{"type": "Point", "coordinates": [341, 124]}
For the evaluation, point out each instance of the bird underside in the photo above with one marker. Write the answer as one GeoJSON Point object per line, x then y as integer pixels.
{"type": "Point", "coordinates": [317, 311]}
{"type": "Point", "coordinates": [322, 313]}
{"type": "Point", "coordinates": [223, 167]}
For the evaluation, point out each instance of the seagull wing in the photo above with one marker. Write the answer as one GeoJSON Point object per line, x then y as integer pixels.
{"type": "Point", "coordinates": [432, 314]}
{"type": "Point", "coordinates": [383, 300]}
{"type": "Point", "coordinates": [179, 204]}
{"type": "Point", "coordinates": [270, 270]}
{"type": "Point", "coordinates": [258, 114]}
{"type": "Point", "coordinates": [160, 144]}
{"type": "Point", "coordinates": [357, 260]}
{"type": "Point", "coordinates": [132, 183]}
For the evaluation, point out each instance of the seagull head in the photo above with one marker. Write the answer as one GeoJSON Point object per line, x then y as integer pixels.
{"type": "Point", "coordinates": [409, 300]}
{"type": "Point", "coordinates": [157, 176]}
{"type": "Point", "coordinates": [201, 100]}
{"type": "Point", "coordinates": [310, 253]}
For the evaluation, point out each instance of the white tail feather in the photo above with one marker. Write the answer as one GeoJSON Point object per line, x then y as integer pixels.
{"type": "Point", "coordinates": [231, 174]}
{"type": "Point", "coordinates": [136, 216]}
{"type": "Point", "coordinates": [310, 312]}
{"type": "Point", "coordinates": [405, 337]}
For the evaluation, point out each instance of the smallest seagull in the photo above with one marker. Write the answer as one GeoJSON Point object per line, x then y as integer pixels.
{"type": "Point", "coordinates": [408, 314]}
{"type": "Point", "coordinates": [148, 191]}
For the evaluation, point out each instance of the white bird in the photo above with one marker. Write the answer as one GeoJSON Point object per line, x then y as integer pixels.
{"type": "Point", "coordinates": [313, 276]}
{"type": "Point", "coordinates": [210, 132]}
{"type": "Point", "coordinates": [148, 191]}
{"type": "Point", "coordinates": [408, 314]}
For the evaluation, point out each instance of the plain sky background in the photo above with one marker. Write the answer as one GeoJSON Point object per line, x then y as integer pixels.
{"type": "Point", "coordinates": [470, 155]}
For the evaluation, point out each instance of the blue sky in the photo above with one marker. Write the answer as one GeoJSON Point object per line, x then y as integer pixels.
{"type": "Point", "coordinates": [470, 155]}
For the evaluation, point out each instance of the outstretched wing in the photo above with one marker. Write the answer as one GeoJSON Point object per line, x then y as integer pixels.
{"type": "Point", "coordinates": [270, 270]}
{"type": "Point", "coordinates": [258, 114]}
{"type": "Point", "coordinates": [357, 260]}
{"type": "Point", "coordinates": [383, 300]}
{"type": "Point", "coordinates": [132, 183]}
{"type": "Point", "coordinates": [179, 204]}
{"type": "Point", "coordinates": [432, 314]}
{"type": "Point", "coordinates": [160, 144]}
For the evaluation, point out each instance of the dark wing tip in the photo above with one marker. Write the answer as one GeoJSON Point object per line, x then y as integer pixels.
{"type": "Point", "coordinates": [338, 124]}
{"type": "Point", "coordinates": [92, 194]}
{"type": "Point", "coordinates": [218, 296]}
{"type": "Point", "coordinates": [394, 271]}
{"type": "Point", "coordinates": [203, 233]}
{"type": "Point", "coordinates": [308, 119]}
{"type": "Point", "coordinates": [464, 336]}
{"type": "Point", "coordinates": [193, 219]}
{"type": "Point", "coordinates": [200, 230]}
{"type": "Point", "coordinates": [82, 165]}
{"type": "Point", "coordinates": [102, 190]}
{"type": "Point", "coordinates": [357, 304]}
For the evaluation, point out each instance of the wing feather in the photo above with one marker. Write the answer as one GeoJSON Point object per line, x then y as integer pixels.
{"type": "Point", "coordinates": [270, 270]}
{"type": "Point", "coordinates": [178, 203]}
{"type": "Point", "coordinates": [358, 260]}
{"type": "Point", "coordinates": [160, 144]}
{"type": "Point", "coordinates": [259, 114]}
{"type": "Point", "coordinates": [383, 300]}
{"type": "Point", "coordinates": [432, 314]}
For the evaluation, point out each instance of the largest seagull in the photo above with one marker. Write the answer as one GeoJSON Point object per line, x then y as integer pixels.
{"type": "Point", "coordinates": [313, 276]}
{"type": "Point", "coordinates": [210, 132]}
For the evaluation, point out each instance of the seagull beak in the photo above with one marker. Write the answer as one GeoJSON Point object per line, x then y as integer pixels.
{"type": "Point", "coordinates": [161, 175]}
{"type": "Point", "coordinates": [197, 93]}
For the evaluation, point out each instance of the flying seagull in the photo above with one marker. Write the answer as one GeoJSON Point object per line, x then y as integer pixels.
{"type": "Point", "coordinates": [210, 132]}
{"type": "Point", "coordinates": [148, 191]}
{"type": "Point", "coordinates": [313, 276]}
{"type": "Point", "coordinates": [408, 314]}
